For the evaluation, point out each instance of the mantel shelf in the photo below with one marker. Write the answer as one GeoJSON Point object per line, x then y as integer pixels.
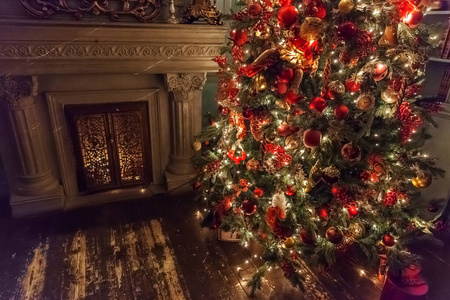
{"type": "Point", "coordinates": [441, 60]}
{"type": "Point", "coordinates": [437, 12]}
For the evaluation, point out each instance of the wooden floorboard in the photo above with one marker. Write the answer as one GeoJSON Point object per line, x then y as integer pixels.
{"type": "Point", "coordinates": [155, 249]}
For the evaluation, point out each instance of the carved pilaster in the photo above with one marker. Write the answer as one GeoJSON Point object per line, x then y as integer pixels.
{"type": "Point", "coordinates": [35, 175]}
{"type": "Point", "coordinates": [185, 119]}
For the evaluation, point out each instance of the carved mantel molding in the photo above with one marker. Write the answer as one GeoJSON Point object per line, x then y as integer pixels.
{"type": "Point", "coordinates": [53, 47]}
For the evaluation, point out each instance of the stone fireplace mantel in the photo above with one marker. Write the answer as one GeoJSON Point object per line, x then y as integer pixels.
{"type": "Point", "coordinates": [47, 64]}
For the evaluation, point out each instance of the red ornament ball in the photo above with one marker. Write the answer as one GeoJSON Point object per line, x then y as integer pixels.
{"type": "Point", "coordinates": [347, 30]}
{"type": "Point", "coordinates": [350, 152]}
{"type": "Point", "coordinates": [312, 138]}
{"type": "Point", "coordinates": [308, 237]}
{"type": "Point", "coordinates": [285, 2]}
{"type": "Point", "coordinates": [341, 112]}
{"type": "Point", "coordinates": [352, 86]}
{"type": "Point", "coordinates": [388, 240]}
{"type": "Point", "coordinates": [413, 18]}
{"type": "Point", "coordinates": [319, 104]}
{"type": "Point", "coordinates": [352, 210]}
{"type": "Point", "coordinates": [314, 8]}
{"type": "Point", "coordinates": [239, 37]}
{"type": "Point", "coordinates": [196, 186]}
{"type": "Point", "coordinates": [334, 235]}
{"type": "Point", "coordinates": [291, 191]}
{"type": "Point", "coordinates": [284, 130]}
{"type": "Point", "coordinates": [281, 88]}
{"type": "Point", "coordinates": [323, 213]}
{"type": "Point", "coordinates": [287, 16]}
{"type": "Point", "coordinates": [293, 98]}
{"type": "Point", "coordinates": [286, 75]}
{"type": "Point", "coordinates": [254, 9]}
{"type": "Point", "coordinates": [248, 207]}
{"type": "Point", "coordinates": [380, 72]}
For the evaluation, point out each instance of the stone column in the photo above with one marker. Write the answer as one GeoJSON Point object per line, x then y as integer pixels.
{"type": "Point", "coordinates": [185, 96]}
{"type": "Point", "coordinates": [35, 177]}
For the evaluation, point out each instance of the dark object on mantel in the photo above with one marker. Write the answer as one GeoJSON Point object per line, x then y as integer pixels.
{"type": "Point", "coordinates": [143, 10]}
{"type": "Point", "coordinates": [202, 9]}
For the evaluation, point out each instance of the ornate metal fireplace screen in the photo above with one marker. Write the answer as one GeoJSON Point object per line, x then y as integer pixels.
{"type": "Point", "coordinates": [111, 145]}
{"type": "Point", "coordinates": [143, 10]}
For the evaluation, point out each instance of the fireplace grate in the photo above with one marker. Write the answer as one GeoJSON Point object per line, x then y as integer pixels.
{"type": "Point", "coordinates": [111, 145]}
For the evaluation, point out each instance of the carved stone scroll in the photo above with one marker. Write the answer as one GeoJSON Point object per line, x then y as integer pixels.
{"type": "Point", "coordinates": [143, 10]}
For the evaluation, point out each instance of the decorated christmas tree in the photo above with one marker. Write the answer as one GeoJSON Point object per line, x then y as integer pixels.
{"type": "Point", "coordinates": [315, 152]}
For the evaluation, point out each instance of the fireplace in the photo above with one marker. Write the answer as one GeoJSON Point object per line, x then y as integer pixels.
{"type": "Point", "coordinates": [132, 91]}
{"type": "Point", "coordinates": [111, 145]}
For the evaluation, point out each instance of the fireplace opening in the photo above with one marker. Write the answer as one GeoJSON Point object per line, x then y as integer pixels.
{"type": "Point", "coordinates": [111, 145]}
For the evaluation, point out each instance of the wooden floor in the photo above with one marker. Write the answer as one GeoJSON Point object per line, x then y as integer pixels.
{"type": "Point", "coordinates": [155, 249]}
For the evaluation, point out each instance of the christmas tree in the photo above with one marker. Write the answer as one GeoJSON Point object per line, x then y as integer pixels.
{"type": "Point", "coordinates": [315, 148]}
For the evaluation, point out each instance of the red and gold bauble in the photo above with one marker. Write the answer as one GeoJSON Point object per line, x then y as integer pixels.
{"type": "Point", "coordinates": [380, 72]}
{"type": "Point", "coordinates": [239, 37]}
{"type": "Point", "coordinates": [422, 181]}
{"type": "Point", "coordinates": [347, 30]}
{"type": "Point", "coordinates": [223, 110]}
{"type": "Point", "coordinates": [331, 175]}
{"type": "Point", "coordinates": [284, 130]}
{"type": "Point", "coordinates": [312, 138]}
{"type": "Point", "coordinates": [390, 97]}
{"type": "Point", "coordinates": [318, 104]}
{"type": "Point", "coordinates": [314, 8]}
{"type": "Point", "coordinates": [248, 207]}
{"type": "Point", "coordinates": [254, 9]}
{"type": "Point", "coordinates": [351, 153]}
{"type": "Point", "coordinates": [346, 6]}
{"type": "Point", "coordinates": [388, 240]}
{"type": "Point", "coordinates": [308, 237]}
{"type": "Point", "coordinates": [352, 86]}
{"type": "Point", "coordinates": [286, 75]}
{"type": "Point", "coordinates": [341, 112]}
{"type": "Point", "coordinates": [334, 235]}
{"type": "Point", "coordinates": [287, 16]}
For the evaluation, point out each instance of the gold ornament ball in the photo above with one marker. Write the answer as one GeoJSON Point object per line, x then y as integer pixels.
{"type": "Point", "coordinates": [259, 83]}
{"type": "Point", "coordinates": [346, 6]}
{"type": "Point", "coordinates": [389, 97]}
{"type": "Point", "coordinates": [365, 102]}
{"type": "Point", "coordinates": [196, 146]}
{"type": "Point", "coordinates": [311, 29]}
{"type": "Point", "coordinates": [291, 142]}
{"type": "Point", "coordinates": [356, 230]}
{"type": "Point", "coordinates": [422, 181]}
{"type": "Point", "coordinates": [289, 243]}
